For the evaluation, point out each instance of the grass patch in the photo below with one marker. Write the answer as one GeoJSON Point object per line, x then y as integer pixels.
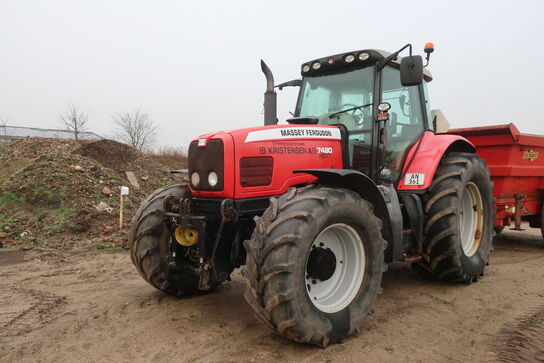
{"type": "Point", "coordinates": [6, 221]}
{"type": "Point", "coordinates": [63, 212]}
{"type": "Point", "coordinates": [10, 197]}
{"type": "Point", "coordinates": [42, 193]}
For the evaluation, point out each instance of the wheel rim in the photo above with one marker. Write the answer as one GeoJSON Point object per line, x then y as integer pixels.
{"type": "Point", "coordinates": [471, 219]}
{"type": "Point", "coordinates": [335, 268]}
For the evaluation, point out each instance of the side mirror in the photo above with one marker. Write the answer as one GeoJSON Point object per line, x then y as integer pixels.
{"type": "Point", "coordinates": [411, 70]}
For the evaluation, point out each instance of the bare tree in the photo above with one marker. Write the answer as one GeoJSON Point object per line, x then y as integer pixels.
{"type": "Point", "coordinates": [136, 129]}
{"type": "Point", "coordinates": [3, 125]}
{"type": "Point", "coordinates": [74, 120]}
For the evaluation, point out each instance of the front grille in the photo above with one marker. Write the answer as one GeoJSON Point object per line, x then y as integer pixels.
{"type": "Point", "coordinates": [204, 160]}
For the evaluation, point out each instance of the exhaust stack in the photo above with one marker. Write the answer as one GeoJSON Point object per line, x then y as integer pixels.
{"type": "Point", "coordinates": [270, 97]}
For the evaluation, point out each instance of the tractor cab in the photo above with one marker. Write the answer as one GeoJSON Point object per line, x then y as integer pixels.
{"type": "Point", "coordinates": [347, 89]}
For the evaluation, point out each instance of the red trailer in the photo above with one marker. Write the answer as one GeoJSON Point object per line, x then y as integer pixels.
{"type": "Point", "coordinates": [516, 162]}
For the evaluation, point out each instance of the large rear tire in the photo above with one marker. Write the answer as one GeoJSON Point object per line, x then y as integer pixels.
{"type": "Point", "coordinates": [459, 220]}
{"type": "Point", "coordinates": [314, 264]}
{"type": "Point", "coordinates": [149, 243]}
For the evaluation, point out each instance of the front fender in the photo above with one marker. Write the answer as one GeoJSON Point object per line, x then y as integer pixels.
{"type": "Point", "coordinates": [349, 179]}
{"type": "Point", "coordinates": [424, 156]}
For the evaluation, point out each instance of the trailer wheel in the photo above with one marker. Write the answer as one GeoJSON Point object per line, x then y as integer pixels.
{"type": "Point", "coordinates": [498, 229]}
{"type": "Point", "coordinates": [542, 220]}
{"type": "Point", "coordinates": [459, 220]}
{"type": "Point", "coordinates": [314, 264]}
{"type": "Point", "coordinates": [149, 243]}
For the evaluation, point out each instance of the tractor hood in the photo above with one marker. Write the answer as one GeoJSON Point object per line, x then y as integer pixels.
{"type": "Point", "coordinates": [261, 161]}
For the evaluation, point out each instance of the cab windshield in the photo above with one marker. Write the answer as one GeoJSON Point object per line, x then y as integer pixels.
{"type": "Point", "coordinates": [325, 97]}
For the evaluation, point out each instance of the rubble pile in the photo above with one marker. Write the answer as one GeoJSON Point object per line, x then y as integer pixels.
{"type": "Point", "coordinates": [54, 193]}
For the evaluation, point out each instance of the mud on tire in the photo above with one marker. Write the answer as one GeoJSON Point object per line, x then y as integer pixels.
{"type": "Point", "coordinates": [277, 255]}
{"type": "Point", "coordinates": [444, 255]}
{"type": "Point", "coordinates": [149, 244]}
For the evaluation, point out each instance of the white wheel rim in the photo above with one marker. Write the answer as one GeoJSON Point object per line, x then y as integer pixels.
{"type": "Point", "coordinates": [335, 293]}
{"type": "Point", "coordinates": [471, 219]}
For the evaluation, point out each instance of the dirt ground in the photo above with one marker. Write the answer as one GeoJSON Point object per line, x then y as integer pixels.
{"type": "Point", "coordinates": [95, 307]}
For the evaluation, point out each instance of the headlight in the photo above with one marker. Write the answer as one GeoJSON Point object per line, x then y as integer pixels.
{"type": "Point", "coordinates": [212, 179]}
{"type": "Point", "coordinates": [306, 68]}
{"type": "Point", "coordinates": [195, 179]}
{"type": "Point", "coordinates": [349, 58]}
{"type": "Point", "coordinates": [384, 106]}
{"type": "Point", "coordinates": [316, 66]}
{"type": "Point", "coordinates": [364, 56]}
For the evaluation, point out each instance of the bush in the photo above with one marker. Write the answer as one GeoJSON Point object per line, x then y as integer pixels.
{"type": "Point", "coordinates": [171, 157]}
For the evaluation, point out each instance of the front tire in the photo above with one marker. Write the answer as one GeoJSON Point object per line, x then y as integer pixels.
{"type": "Point", "coordinates": [459, 220]}
{"type": "Point", "coordinates": [314, 264]}
{"type": "Point", "coordinates": [149, 242]}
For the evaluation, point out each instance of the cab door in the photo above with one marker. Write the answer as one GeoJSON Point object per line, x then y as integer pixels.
{"type": "Point", "coordinates": [406, 122]}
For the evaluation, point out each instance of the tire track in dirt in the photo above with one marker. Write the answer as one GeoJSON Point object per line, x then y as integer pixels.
{"type": "Point", "coordinates": [44, 308]}
{"type": "Point", "coordinates": [522, 341]}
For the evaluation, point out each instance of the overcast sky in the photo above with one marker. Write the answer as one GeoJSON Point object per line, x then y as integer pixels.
{"type": "Point", "coordinates": [194, 66]}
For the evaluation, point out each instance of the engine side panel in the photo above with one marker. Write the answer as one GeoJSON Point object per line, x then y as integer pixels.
{"type": "Point", "coordinates": [292, 147]}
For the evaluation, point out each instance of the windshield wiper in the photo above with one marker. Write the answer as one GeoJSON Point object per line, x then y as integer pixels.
{"type": "Point", "coordinates": [349, 109]}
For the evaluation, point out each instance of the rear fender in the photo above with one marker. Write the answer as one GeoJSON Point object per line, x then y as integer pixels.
{"type": "Point", "coordinates": [383, 197]}
{"type": "Point", "coordinates": [424, 156]}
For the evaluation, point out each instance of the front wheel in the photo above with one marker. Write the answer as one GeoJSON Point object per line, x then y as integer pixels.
{"type": "Point", "coordinates": [314, 264]}
{"type": "Point", "coordinates": [149, 242]}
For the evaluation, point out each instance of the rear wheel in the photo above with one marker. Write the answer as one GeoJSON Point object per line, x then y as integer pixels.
{"type": "Point", "coordinates": [459, 220]}
{"type": "Point", "coordinates": [314, 264]}
{"type": "Point", "coordinates": [149, 241]}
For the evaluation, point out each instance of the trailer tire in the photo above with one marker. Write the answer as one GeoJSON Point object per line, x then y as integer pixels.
{"type": "Point", "coordinates": [286, 243]}
{"type": "Point", "coordinates": [498, 229]}
{"type": "Point", "coordinates": [459, 220]}
{"type": "Point", "coordinates": [542, 220]}
{"type": "Point", "coordinates": [149, 244]}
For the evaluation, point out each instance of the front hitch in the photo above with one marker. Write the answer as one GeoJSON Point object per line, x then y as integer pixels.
{"type": "Point", "coordinates": [210, 275]}
{"type": "Point", "coordinates": [194, 230]}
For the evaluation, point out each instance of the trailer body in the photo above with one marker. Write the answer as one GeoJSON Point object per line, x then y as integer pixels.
{"type": "Point", "coordinates": [516, 161]}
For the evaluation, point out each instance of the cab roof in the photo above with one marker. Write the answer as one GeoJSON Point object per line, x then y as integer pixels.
{"type": "Point", "coordinates": [335, 63]}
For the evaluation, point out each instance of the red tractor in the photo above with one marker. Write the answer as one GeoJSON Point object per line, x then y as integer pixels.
{"type": "Point", "coordinates": [315, 209]}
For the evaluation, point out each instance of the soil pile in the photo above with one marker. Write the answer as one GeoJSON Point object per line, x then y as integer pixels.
{"type": "Point", "coordinates": [54, 192]}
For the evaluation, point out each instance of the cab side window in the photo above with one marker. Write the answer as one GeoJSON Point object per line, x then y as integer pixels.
{"type": "Point", "coordinates": [405, 104]}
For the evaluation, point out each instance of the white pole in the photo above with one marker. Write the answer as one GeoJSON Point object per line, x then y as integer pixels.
{"type": "Point", "coordinates": [124, 191]}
